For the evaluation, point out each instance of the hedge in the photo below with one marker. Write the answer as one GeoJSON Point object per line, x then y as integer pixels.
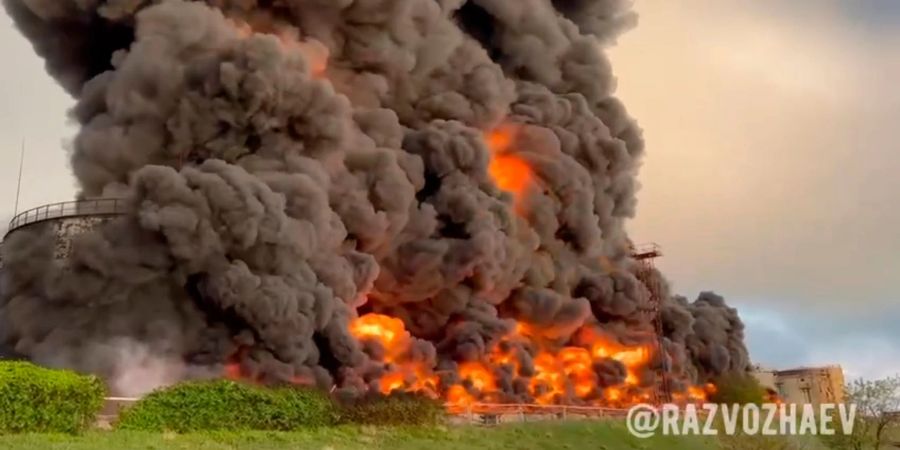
{"type": "Point", "coordinates": [229, 405]}
{"type": "Point", "coordinates": [36, 399]}
{"type": "Point", "coordinates": [395, 409]}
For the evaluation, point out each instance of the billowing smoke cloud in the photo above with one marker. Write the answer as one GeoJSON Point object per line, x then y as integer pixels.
{"type": "Point", "coordinates": [462, 166]}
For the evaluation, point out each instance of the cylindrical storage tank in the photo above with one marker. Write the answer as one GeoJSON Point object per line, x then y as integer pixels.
{"type": "Point", "coordinates": [67, 219]}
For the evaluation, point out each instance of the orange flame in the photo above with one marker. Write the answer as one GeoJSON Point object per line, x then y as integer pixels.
{"type": "Point", "coordinates": [391, 382]}
{"type": "Point", "coordinates": [387, 331]}
{"type": "Point", "coordinates": [391, 334]}
{"type": "Point", "coordinates": [457, 395]}
{"type": "Point", "coordinates": [559, 374]}
{"type": "Point", "coordinates": [479, 376]}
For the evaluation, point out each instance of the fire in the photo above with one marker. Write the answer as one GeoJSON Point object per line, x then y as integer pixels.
{"type": "Point", "coordinates": [510, 172]}
{"type": "Point", "coordinates": [403, 374]}
{"type": "Point", "coordinates": [392, 382]}
{"type": "Point", "coordinates": [387, 331]}
{"type": "Point", "coordinates": [695, 394]}
{"type": "Point", "coordinates": [548, 381]}
{"type": "Point", "coordinates": [613, 394]}
{"type": "Point", "coordinates": [772, 396]}
{"type": "Point", "coordinates": [633, 357]}
{"type": "Point", "coordinates": [233, 371]}
{"type": "Point", "coordinates": [557, 374]}
{"type": "Point", "coordinates": [457, 395]}
{"type": "Point", "coordinates": [481, 378]}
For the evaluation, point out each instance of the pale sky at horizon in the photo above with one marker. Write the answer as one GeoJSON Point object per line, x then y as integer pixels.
{"type": "Point", "coordinates": [771, 175]}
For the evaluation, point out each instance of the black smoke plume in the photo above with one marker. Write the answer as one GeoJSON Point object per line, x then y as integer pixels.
{"type": "Point", "coordinates": [293, 164]}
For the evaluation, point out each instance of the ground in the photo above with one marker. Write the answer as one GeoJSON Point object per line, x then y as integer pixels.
{"type": "Point", "coordinates": [537, 436]}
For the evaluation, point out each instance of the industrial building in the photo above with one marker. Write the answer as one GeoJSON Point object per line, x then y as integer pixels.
{"type": "Point", "coordinates": [804, 385]}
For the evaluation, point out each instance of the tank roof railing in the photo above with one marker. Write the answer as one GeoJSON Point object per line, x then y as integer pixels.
{"type": "Point", "coordinates": [76, 208]}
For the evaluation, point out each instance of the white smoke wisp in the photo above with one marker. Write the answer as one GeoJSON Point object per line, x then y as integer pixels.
{"type": "Point", "coordinates": [137, 371]}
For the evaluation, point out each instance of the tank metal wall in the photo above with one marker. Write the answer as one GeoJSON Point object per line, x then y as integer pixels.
{"type": "Point", "coordinates": [63, 230]}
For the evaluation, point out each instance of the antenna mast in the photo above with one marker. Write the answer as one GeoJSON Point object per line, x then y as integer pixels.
{"type": "Point", "coordinates": [19, 183]}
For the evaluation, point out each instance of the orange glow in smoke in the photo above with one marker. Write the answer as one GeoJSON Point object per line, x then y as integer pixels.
{"type": "Point", "coordinates": [509, 171]}
{"type": "Point", "coordinates": [233, 371]}
{"type": "Point", "coordinates": [315, 53]}
{"type": "Point", "coordinates": [302, 381]}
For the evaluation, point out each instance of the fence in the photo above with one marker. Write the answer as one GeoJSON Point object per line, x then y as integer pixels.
{"type": "Point", "coordinates": [475, 413]}
{"type": "Point", "coordinates": [495, 413]}
{"type": "Point", "coordinates": [95, 207]}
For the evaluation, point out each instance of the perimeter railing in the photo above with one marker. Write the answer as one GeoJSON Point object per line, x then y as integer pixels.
{"type": "Point", "coordinates": [492, 413]}
{"type": "Point", "coordinates": [94, 207]}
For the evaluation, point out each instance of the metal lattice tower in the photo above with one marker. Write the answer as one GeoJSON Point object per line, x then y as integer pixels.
{"type": "Point", "coordinates": [645, 255]}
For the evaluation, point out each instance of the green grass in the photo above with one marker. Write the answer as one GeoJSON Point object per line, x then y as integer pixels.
{"type": "Point", "coordinates": [536, 436]}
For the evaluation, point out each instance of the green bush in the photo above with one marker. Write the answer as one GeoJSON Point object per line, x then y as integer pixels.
{"type": "Point", "coordinates": [228, 405]}
{"type": "Point", "coordinates": [395, 409]}
{"type": "Point", "coordinates": [739, 388]}
{"type": "Point", "coordinates": [35, 399]}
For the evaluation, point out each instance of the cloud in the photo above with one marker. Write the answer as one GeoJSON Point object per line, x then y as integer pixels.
{"type": "Point", "coordinates": [864, 343]}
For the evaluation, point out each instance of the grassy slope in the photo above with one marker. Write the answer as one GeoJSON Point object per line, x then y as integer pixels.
{"type": "Point", "coordinates": [537, 436]}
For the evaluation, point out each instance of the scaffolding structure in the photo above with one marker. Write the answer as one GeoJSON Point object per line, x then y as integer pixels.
{"type": "Point", "coordinates": [645, 255]}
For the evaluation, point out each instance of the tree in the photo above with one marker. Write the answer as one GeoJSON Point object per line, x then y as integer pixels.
{"type": "Point", "coordinates": [877, 410]}
{"type": "Point", "coordinates": [739, 388]}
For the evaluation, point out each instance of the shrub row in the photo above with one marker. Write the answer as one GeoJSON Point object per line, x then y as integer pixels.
{"type": "Point", "coordinates": [229, 405]}
{"type": "Point", "coordinates": [396, 409]}
{"type": "Point", "coordinates": [35, 399]}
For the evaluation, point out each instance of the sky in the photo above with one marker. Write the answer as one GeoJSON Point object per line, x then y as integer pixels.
{"type": "Point", "coordinates": [770, 176]}
{"type": "Point", "coordinates": [771, 169]}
